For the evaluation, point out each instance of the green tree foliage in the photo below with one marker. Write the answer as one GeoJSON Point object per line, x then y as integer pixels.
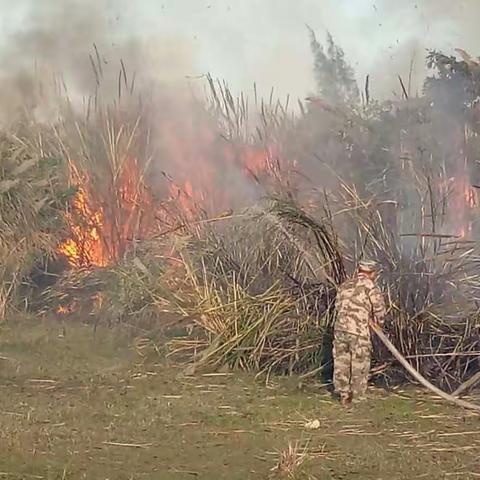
{"type": "Point", "coordinates": [454, 85]}
{"type": "Point", "coordinates": [334, 76]}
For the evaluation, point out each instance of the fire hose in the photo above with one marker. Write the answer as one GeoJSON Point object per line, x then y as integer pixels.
{"type": "Point", "coordinates": [417, 376]}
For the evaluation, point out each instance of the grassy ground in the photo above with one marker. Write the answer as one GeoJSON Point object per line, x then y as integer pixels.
{"type": "Point", "coordinates": [73, 406]}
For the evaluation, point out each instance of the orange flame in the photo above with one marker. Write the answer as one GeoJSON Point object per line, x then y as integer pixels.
{"type": "Point", "coordinates": [103, 224]}
{"type": "Point", "coordinates": [256, 161]}
{"type": "Point", "coordinates": [85, 246]}
{"type": "Point", "coordinates": [101, 228]}
{"type": "Point", "coordinates": [470, 196]}
{"type": "Point", "coordinates": [464, 200]}
{"type": "Point", "coordinates": [66, 309]}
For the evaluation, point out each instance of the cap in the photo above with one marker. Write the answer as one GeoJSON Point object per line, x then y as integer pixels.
{"type": "Point", "coordinates": [368, 266]}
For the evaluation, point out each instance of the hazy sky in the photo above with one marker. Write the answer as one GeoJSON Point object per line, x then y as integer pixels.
{"type": "Point", "coordinates": [265, 41]}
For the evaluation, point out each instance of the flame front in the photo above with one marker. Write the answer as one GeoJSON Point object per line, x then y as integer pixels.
{"type": "Point", "coordinates": [84, 248]}
{"type": "Point", "coordinates": [104, 220]}
{"type": "Point", "coordinates": [102, 225]}
{"type": "Point", "coordinates": [462, 199]}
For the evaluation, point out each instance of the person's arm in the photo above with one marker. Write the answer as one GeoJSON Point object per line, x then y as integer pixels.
{"type": "Point", "coordinates": [342, 296]}
{"type": "Point", "coordinates": [378, 306]}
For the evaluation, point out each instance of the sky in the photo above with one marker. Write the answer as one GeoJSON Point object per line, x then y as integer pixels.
{"type": "Point", "coordinates": [242, 41]}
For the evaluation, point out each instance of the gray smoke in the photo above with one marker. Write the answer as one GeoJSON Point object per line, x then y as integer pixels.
{"type": "Point", "coordinates": [263, 41]}
{"type": "Point", "coordinates": [52, 47]}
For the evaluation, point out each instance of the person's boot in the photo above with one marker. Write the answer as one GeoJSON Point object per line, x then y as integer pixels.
{"type": "Point", "coordinates": [345, 400]}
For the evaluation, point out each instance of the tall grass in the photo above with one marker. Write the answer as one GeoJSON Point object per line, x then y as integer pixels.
{"type": "Point", "coordinates": [33, 195]}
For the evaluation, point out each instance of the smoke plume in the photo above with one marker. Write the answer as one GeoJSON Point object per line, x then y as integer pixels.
{"type": "Point", "coordinates": [56, 43]}
{"type": "Point", "coordinates": [264, 42]}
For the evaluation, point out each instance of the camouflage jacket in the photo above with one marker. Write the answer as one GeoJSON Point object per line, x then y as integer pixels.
{"type": "Point", "coordinates": [358, 301]}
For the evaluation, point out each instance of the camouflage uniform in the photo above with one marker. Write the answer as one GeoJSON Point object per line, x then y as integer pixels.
{"type": "Point", "coordinates": [359, 301]}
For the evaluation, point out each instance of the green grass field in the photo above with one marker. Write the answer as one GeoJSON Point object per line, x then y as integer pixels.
{"type": "Point", "coordinates": [108, 407]}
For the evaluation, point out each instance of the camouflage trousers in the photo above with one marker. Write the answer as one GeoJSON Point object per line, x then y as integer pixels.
{"type": "Point", "coordinates": [351, 357]}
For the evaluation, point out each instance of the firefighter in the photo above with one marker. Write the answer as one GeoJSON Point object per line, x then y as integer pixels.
{"type": "Point", "coordinates": [359, 302]}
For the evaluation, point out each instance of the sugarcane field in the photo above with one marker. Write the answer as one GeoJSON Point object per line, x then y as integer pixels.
{"type": "Point", "coordinates": [239, 240]}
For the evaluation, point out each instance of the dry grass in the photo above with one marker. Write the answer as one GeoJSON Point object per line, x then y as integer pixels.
{"type": "Point", "coordinates": [254, 308]}
{"type": "Point", "coordinates": [136, 290]}
{"type": "Point", "coordinates": [291, 459]}
{"type": "Point", "coordinates": [108, 151]}
{"type": "Point", "coordinates": [33, 195]}
{"type": "Point", "coordinates": [135, 416]}
{"type": "Point", "coordinates": [261, 291]}
{"type": "Point", "coordinates": [431, 283]}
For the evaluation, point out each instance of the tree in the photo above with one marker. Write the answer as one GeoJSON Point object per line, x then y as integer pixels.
{"type": "Point", "coordinates": [454, 85]}
{"type": "Point", "coordinates": [334, 76]}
